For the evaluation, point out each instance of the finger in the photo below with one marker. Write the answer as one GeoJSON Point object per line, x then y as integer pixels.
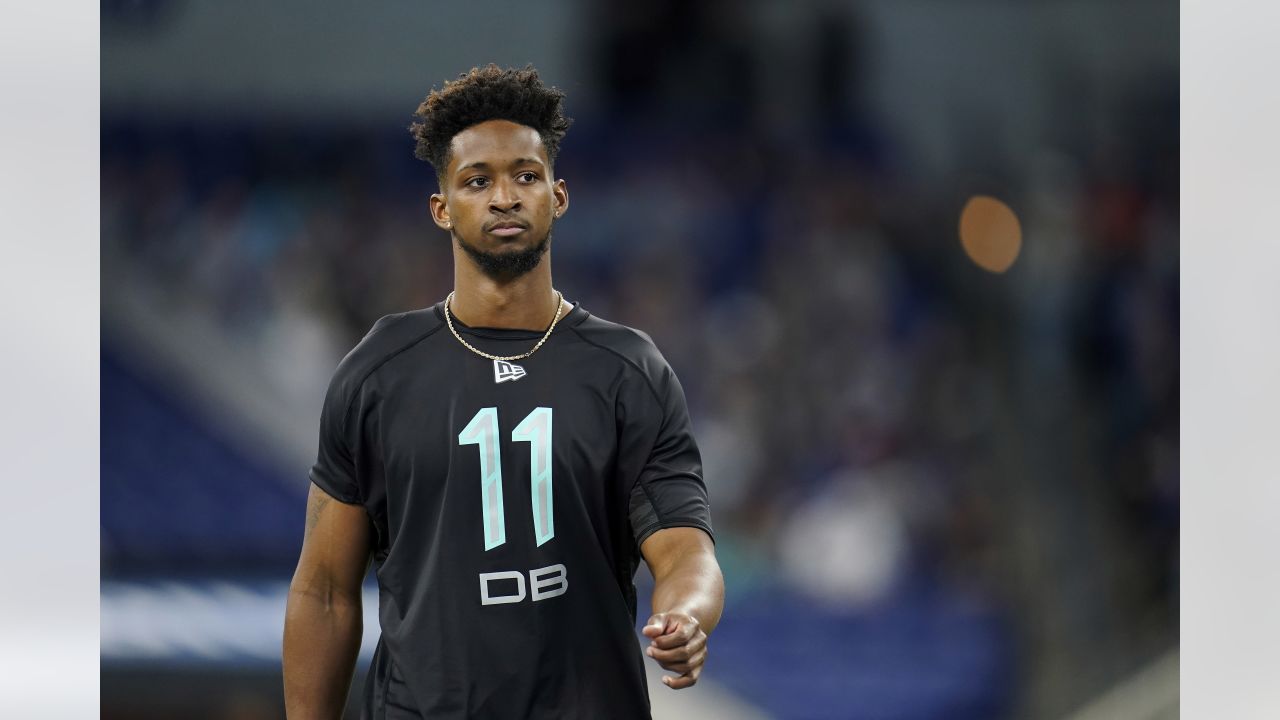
{"type": "Point", "coordinates": [655, 626]}
{"type": "Point", "coordinates": [680, 653]}
{"type": "Point", "coordinates": [673, 622]}
{"type": "Point", "coordinates": [674, 655]}
{"type": "Point", "coordinates": [681, 636]}
{"type": "Point", "coordinates": [682, 681]}
{"type": "Point", "coordinates": [687, 666]}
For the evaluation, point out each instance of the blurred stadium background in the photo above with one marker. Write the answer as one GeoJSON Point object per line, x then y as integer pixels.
{"type": "Point", "coordinates": [941, 490]}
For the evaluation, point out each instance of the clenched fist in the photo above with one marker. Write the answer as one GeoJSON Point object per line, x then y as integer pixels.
{"type": "Point", "coordinates": [679, 645]}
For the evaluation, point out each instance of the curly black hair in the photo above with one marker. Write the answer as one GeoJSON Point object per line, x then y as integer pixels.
{"type": "Point", "coordinates": [487, 93]}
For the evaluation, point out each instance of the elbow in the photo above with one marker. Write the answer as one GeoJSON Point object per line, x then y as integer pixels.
{"type": "Point", "coordinates": [323, 593]}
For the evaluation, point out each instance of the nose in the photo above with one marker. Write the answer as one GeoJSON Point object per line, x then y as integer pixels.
{"type": "Point", "coordinates": [505, 197]}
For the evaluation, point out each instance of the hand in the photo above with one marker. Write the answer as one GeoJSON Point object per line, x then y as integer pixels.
{"type": "Point", "coordinates": [679, 645]}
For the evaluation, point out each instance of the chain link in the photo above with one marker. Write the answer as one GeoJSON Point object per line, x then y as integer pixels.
{"type": "Point", "coordinates": [448, 319]}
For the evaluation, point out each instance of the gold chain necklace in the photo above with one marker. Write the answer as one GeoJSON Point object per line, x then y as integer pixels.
{"type": "Point", "coordinates": [559, 308]}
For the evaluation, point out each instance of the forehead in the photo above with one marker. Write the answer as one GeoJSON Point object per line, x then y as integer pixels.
{"type": "Point", "coordinates": [495, 142]}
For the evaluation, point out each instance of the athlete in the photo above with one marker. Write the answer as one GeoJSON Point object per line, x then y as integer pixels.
{"type": "Point", "coordinates": [504, 459]}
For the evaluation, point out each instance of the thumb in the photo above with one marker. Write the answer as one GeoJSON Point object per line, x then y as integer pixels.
{"type": "Point", "coordinates": [654, 627]}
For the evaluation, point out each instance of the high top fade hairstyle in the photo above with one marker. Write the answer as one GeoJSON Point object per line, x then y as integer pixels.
{"type": "Point", "coordinates": [487, 93]}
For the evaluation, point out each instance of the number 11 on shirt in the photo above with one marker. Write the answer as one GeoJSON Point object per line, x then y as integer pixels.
{"type": "Point", "coordinates": [534, 429]}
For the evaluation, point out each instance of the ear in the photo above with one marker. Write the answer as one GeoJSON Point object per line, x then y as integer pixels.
{"type": "Point", "coordinates": [440, 212]}
{"type": "Point", "coordinates": [560, 198]}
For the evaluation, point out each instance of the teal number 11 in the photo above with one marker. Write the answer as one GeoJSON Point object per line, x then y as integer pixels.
{"type": "Point", "coordinates": [535, 429]}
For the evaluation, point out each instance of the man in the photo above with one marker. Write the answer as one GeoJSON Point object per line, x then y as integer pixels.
{"type": "Point", "coordinates": [505, 458]}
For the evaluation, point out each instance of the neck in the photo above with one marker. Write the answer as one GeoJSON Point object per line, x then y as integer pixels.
{"type": "Point", "coordinates": [524, 303]}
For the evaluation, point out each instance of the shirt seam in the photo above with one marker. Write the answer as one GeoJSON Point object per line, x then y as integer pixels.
{"type": "Point", "coordinates": [644, 486]}
{"type": "Point", "coordinates": [346, 413]}
{"type": "Point", "coordinates": [648, 495]}
{"type": "Point", "coordinates": [634, 366]}
{"type": "Point", "coordinates": [678, 521]}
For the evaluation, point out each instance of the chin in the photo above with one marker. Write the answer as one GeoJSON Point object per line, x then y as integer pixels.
{"type": "Point", "coordinates": [513, 244]}
{"type": "Point", "coordinates": [524, 239]}
{"type": "Point", "coordinates": [510, 257]}
{"type": "Point", "coordinates": [523, 242]}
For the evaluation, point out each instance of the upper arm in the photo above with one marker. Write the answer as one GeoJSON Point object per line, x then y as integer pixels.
{"type": "Point", "coordinates": [666, 548]}
{"type": "Point", "coordinates": [335, 547]}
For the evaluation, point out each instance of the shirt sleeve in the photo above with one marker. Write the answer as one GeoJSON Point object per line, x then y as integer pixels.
{"type": "Point", "coordinates": [669, 490]}
{"type": "Point", "coordinates": [335, 469]}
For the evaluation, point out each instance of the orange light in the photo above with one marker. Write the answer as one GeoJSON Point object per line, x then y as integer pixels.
{"type": "Point", "coordinates": [990, 233]}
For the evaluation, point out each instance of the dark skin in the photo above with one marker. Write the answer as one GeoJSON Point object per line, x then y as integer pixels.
{"type": "Point", "coordinates": [498, 174]}
{"type": "Point", "coordinates": [323, 620]}
{"type": "Point", "coordinates": [688, 597]}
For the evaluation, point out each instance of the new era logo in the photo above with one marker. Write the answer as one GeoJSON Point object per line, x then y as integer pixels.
{"type": "Point", "coordinates": [504, 371]}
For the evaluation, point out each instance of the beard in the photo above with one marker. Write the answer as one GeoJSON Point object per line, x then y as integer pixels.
{"type": "Point", "coordinates": [506, 266]}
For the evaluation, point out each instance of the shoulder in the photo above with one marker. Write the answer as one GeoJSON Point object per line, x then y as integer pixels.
{"type": "Point", "coordinates": [628, 345]}
{"type": "Point", "coordinates": [389, 336]}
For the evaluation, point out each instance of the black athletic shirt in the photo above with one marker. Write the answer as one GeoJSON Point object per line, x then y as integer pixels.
{"type": "Point", "coordinates": [509, 502]}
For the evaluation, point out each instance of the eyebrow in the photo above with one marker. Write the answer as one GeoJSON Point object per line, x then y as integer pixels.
{"type": "Point", "coordinates": [482, 165]}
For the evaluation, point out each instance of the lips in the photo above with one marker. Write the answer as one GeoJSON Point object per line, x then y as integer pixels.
{"type": "Point", "coordinates": [507, 229]}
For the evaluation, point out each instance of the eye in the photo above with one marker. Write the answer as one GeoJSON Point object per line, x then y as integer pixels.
{"type": "Point", "coordinates": [478, 181]}
{"type": "Point", "coordinates": [527, 177]}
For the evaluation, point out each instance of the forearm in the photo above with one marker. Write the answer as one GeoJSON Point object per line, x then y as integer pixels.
{"type": "Point", "coordinates": [322, 632]}
{"type": "Point", "coordinates": [692, 585]}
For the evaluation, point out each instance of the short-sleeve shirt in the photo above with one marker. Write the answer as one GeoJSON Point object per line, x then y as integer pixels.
{"type": "Point", "coordinates": [509, 501]}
